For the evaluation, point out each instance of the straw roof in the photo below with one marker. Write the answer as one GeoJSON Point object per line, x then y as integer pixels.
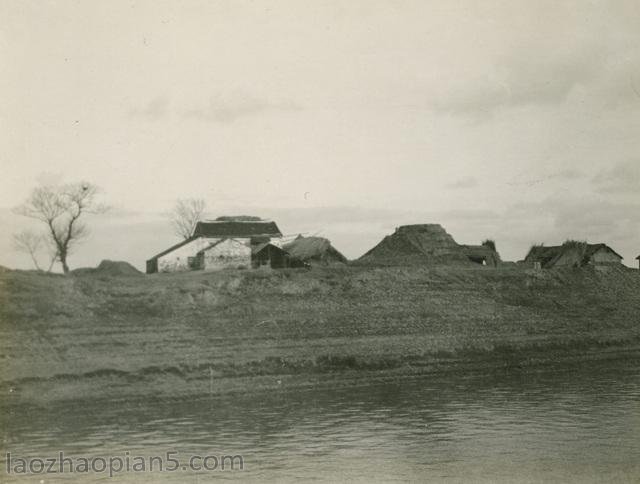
{"type": "Point", "coordinates": [421, 242]}
{"type": "Point", "coordinates": [583, 251]}
{"type": "Point", "coordinates": [479, 253]}
{"type": "Point", "coordinates": [428, 244]}
{"type": "Point", "coordinates": [316, 249]}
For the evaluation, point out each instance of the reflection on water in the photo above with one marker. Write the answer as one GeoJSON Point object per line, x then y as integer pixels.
{"type": "Point", "coordinates": [577, 424]}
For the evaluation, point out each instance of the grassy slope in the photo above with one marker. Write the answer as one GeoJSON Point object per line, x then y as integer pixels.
{"type": "Point", "coordinates": [195, 333]}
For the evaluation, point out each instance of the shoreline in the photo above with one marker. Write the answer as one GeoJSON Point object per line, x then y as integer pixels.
{"type": "Point", "coordinates": [114, 387]}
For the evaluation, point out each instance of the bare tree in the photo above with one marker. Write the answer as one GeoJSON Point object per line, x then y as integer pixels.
{"type": "Point", "coordinates": [185, 214]}
{"type": "Point", "coordinates": [31, 243]}
{"type": "Point", "coordinates": [60, 208]}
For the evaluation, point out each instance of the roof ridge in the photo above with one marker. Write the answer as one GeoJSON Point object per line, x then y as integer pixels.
{"type": "Point", "coordinates": [208, 221]}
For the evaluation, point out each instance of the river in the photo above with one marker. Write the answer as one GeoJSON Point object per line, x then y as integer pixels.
{"type": "Point", "coordinates": [568, 424]}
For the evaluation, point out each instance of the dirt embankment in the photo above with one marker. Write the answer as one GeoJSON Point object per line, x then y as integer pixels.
{"type": "Point", "coordinates": [197, 333]}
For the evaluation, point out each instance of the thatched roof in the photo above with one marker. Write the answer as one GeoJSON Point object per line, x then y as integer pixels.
{"type": "Point", "coordinates": [593, 248]}
{"type": "Point", "coordinates": [419, 243]}
{"type": "Point", "coordinates": [314, 249]}
{"type": "Point", "coordinates": [547, 256]}
{"type": "Point", "coordinates": [428, 243]}
{"type": "Point", "coordinates": [109, 268]}
{"type": "Point", "coordinates": [543, 254]}
{"type": "Point", "coordinates": [480, 253]}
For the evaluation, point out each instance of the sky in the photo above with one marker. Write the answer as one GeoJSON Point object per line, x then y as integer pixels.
{"type": "Point", "coordinates": [512, 120]}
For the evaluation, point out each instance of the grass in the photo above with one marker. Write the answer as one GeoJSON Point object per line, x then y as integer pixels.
{"type": "Point", "coordinates": [168, 333]}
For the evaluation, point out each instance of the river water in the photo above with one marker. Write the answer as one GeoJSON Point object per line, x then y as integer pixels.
{"type": "Point", "coordinates": [570, 424]}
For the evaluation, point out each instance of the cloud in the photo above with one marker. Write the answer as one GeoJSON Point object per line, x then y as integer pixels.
{"type": "Point", "coordinates": [537, 80]}
{"type": "Point", "coordinates": [570, 174]}
{"type": "Point", "coordinates": [521, 80]}
{"type": "Point", "coordinates": [604, 218]}
{"type": "Point", "coordinates": [566, 175]}
{"type": "Point", "coordinates": [622, 178]}
{"type": "Point", "coordinates": [155, 109]}
{"type": "Point", "coordinates": [580, 53]}
{"type": "Point", "coordinates": [227, 108]}
{"type": "Point", "coordinates": [221, 108]}
{"type": "Point", "coordinates": [463, 183]}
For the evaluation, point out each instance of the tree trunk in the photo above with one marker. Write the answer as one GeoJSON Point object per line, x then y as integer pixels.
{"type": "Point", "coordinates": [51, 262]}
{"type": "Point", "coordinates": [63, 261]}
{"type": "Point", "coordinates": [35, 261]}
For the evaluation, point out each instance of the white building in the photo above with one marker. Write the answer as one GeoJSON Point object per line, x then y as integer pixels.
{"type": "Point", "coordinates": [215, 245]}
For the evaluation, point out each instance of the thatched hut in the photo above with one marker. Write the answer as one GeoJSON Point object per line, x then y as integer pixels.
{"type": "Point", "coordinates": [482, 254]}
{"type": "Point", "coordinates": [314, 251]}
{"type": "Point", "coordinates": [573, 254]}
{"type": "Point", "coordinates": [430, 244]}
{"type": "Point", "coordinates": [411, 244]}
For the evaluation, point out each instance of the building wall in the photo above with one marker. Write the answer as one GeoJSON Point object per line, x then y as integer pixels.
{"type": "Point", "coordinates": [573, 257]}
{"type": "Point", "coordinates": [230, 253]}
{"type": "Point", "coordinates": [178, 260]}
{"type": "Point", "coordinates": [604, 256]}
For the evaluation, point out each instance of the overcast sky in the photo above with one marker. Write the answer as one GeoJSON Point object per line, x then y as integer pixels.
{"type": "Point", "coordinates": [518, 121]}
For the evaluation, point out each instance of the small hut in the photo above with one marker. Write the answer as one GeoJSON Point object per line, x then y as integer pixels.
{"type": "Point", "coordinates": [269, 255]}
{"type": "Point", "coordinates": [573, 254]}
{"type": "Point", "coordinates": [482, 254]}
{"type": "Point", "coordinates": [314, 250]}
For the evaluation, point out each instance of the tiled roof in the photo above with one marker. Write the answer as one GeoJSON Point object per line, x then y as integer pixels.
{"type": "Point", "coordinates": [236, 229]}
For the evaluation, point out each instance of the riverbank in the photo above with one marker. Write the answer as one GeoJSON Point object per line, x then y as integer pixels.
{"type": "Point", "coordinates": [194, 334]}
